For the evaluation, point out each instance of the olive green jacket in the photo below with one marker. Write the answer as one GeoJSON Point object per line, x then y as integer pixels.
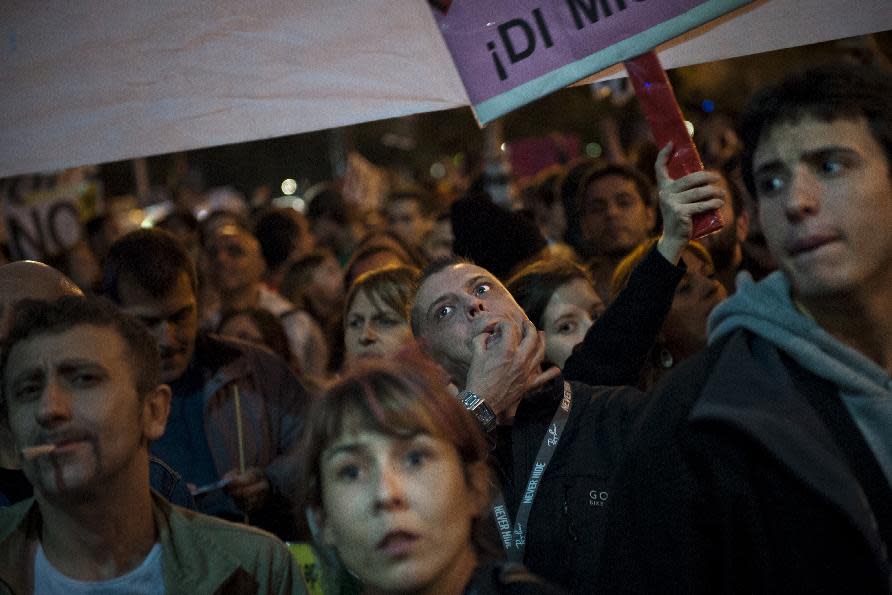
{"type": "Point", "coordinates": [199, 554]}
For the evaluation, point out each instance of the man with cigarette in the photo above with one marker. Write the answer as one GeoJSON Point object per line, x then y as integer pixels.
{"type": "Point", "coordinates": [765, 462]}
{"type": "Point", "coordinates": [18, 280]}
{"type": "Point", "coordinates": [35, 280]}
{"type": "Point", "coordinates": [236, 410]}
{"type": "Point", "coordinates": [82, 397]}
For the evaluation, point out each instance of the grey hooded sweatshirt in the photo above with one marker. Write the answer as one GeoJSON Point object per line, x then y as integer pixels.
{"type": "Point", "coordinates": [766, 309]}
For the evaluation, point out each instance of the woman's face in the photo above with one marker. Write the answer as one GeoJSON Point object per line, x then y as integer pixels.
{"type": "Point", "coordinates": [242, 327]}
{"type": "Point", "coordinates": [570, 312]}
{"type": "Point", "coordinates": [684, 330]}
{"type": "Point", "coordinates": [372, 329]}
{"type": "Point", "coordinates": [399, 510]}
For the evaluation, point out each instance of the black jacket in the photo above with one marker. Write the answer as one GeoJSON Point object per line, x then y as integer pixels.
{"type": "Point", "coordinates": [567, 518]}
{"type": "Point", "coordinates": [504, 578]}
{"type": "Point", "coordinates": [748, 476]}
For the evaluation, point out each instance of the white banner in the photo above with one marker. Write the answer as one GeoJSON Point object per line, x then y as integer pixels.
{"type": "Point", "coordinates": [95, 81]}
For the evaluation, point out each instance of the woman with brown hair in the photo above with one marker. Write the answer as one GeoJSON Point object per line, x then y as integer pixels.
{"type": "Point", "coordinates": [398, 485]}
{"type": "Point", "coordinates": [683, 332]}
{"type": "Point", "coordinates": [376, 313]}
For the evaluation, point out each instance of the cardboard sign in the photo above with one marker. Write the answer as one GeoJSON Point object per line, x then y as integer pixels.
{"type": "Point", "coordinates": [365, 184]}
{"type": "Point", "coordinates": [46, 222]}
{"type": "Point", "coordinates": [511, 52]}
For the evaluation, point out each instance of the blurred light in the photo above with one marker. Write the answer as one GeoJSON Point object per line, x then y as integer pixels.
{"type": "Point", "coordinates": [690, 126]}
{"type": "Point", "coordinates": [458, 159]}
{"type": "Point", "coordinates": [708, 105]}
{"type": "Point", "coordinates": [438, 170]}
{"type": "Point", "coordinates": [601, 90]}
{"type": "Point", "coordinates": [594, 150]}
{"type": "Point", "coordinates": [290, 202]}
{"type": "Point", "coordinates": [504, 146]}
{"type": "Point", "coordinates": [289, 187]}
{"type": "Point", "coordinates": [397, 141]}
{"type": "Point", "coordinates": [132, 219]}
{"type": "Point", "coordinates": [299, 204]}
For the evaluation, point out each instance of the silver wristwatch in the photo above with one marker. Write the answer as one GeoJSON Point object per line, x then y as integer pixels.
{"type": "Point", "coordinates": [478, 407]}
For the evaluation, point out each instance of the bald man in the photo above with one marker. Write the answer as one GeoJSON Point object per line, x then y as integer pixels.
{"type": "Point", "coordinates": [30, 279]}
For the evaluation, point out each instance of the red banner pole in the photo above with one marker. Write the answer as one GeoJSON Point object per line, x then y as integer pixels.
{"type": "Point", "coordinates": [657, 100]}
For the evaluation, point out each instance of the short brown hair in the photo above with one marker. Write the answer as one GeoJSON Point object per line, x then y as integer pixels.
{"type": "Point", "coordinates": [533, 285]}
{"type": "Point", "coordinates": [397, 398]}
{"type": "Point", "coordinates": [32, 318]}
{"type": "Point", "coordinates": [392, 286]}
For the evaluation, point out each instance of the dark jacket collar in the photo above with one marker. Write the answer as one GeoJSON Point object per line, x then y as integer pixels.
{"type": "Point", "coordinates": [751, 389]}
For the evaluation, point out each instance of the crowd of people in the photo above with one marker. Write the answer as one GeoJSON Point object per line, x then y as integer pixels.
{"type": "Point", "coordinates": [453, 397]}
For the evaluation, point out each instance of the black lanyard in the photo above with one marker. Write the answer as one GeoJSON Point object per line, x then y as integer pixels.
{"type": "Point", "coordinates": [515, 541]}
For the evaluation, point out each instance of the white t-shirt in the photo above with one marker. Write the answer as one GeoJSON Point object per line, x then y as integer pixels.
{"type": "Point", "coordinates": [146, 579]}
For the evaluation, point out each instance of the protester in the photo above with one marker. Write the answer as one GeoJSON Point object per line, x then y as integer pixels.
{"type": "Point", "coordinates": [236, 411]}
{"type": "Point", "coordinates": [376, 320]}
{"type": "Point", "coordinates": [397, 480]}
{"type": "Point", "coordinates": [559, 297]}
{"type": "Point", "coordinates": [683, 331]}
{"type": "Point", "coordinates": [259, 327]}
{"type": "Point", "coordinates": [567, 190]}
{"type": "Point", "coordinates": [378, 250]}
{"type": "Point", "coordinates": [332, 223]}
{"type": "Point", "coordinates": [314, 284]}
{"type": "Point", "coordinates": [20, 280]}
{"type": "Point", "coordinates": [83, 399]}
{"type": "Point", "coordinates": [27, 279]}
{"type": "Point", "coordinates": [237, 270]}
{"type": "Point", "coordinates": [284, 236]}
{"type": "Point", "coordinates": [470, 325]}
{"type": "Point", "coordinates": [409, 215]}
{"type": "Point", "coordinates": [617, 212]}
{"type": "Point", "coordinates": [764, 465]}
{"type": "Point", "coordinates": [184, 226]}
{"type": "Point", "coordinates": [437, 242]}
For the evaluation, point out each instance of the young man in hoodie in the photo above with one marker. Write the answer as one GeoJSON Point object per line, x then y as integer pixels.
{"type": "Point", "coordinates": [764, 464]}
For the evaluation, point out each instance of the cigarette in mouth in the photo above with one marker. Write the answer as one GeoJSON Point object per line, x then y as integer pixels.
{"type": "Point", "coordinates": [32, 452]}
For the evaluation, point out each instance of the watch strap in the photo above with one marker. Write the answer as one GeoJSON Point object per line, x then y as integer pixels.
{"type": "Point", "coordinates": [478, 407]}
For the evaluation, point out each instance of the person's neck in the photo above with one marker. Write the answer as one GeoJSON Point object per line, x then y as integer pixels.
{"type": "Point", "coordinates": [861, 319]}
{"type": "Point", "coordinates": [99, 537]}
{"type": "Point", "coordinates": [241, 298]}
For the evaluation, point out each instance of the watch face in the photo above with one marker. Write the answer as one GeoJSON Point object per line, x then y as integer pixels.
{"type": "Point", "coordinates": [471, 400]}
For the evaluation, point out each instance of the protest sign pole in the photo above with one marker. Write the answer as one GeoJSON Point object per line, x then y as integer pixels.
{"type": "Point", "coordinates": [661, 110]}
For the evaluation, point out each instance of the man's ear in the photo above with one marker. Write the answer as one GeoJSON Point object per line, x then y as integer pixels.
{"type": "Point", "coordinates": [743, 226]}
{"type": "Point", "coordinates": [155, 409]}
